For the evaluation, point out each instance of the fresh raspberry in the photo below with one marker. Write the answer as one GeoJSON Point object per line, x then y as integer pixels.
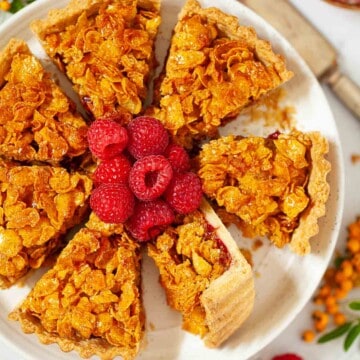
{"type": "Point", "coordinates": [107, 138]}
{"type": "Point", "coordinates": [150, 219]}
{"type": "Point", "coordinates": [112, 203]}
{"type": "Point", "coordinates": [287, 356]}
{"type": "Point", "coordinates": [184, 192]}
{"type": "Point", "coordinates": [150, 176]}
{"type": "Point", "coordinates": [115, 170]}
{"type": "Point", "coordinates": [147, 136]}
{"type": "Point", "coordinates": [178, 157]}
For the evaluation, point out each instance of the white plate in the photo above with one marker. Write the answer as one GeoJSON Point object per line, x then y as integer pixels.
{"type": "Point", "coordinates": [284, 281]}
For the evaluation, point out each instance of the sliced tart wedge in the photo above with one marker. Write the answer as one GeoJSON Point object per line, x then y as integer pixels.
{"type": "Point", "coordinates": [204, 275]}
{"type": "Point", "coordinates": [39, 204]}
{"type": "Point", "coordinates": [106, 48]}
{"type": "Point", "coordinates": [90, 300]}
{"type": "Point", "coordinates": [275, 186]}
{"type": "Point", "coordinates": [215, 67]}
{"type": "Point", "coordinates": [38, 122]}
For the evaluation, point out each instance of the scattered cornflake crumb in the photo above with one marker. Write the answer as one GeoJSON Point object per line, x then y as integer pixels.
{"type": "Point", "coordinates": [152, 326]}
{"type": "Point", "coordinates": [355, 158]}
{"type": "Point", "coordinates": [272, 112]}
{"type": "Point", "coordinates": [257, 245]}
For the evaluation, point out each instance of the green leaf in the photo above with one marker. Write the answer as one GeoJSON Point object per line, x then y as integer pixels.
{"type": "Point", "coordinates": [354, 305]}
{"type": "Point", "coordinates": [351, 336]}
{"type": "Point", "coordinates": [337, 332]}
{"type": "Point", "coordinates": [16, 5]}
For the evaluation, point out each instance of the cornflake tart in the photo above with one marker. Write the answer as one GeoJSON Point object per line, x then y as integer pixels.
{"type": "Point", "coordinates": [215, 67]}
{"type": "Point", "coordinates": [90, 300]}
{"type": "Point", "coordinates": [37, 120]}
{"type": "Point", "coordinates": [276, 186]}
{"type": "Point", "coordinates": [204, 275]}
{"type": "Point", "coordinates": [106, 50]}
{"type": "Point", "coordinates": [39, 204]}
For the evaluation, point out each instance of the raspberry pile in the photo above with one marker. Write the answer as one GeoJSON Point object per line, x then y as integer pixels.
{"type": "Point", "coordinates": [143, 179]}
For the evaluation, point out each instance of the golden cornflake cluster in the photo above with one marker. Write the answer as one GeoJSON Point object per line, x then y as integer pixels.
{"type": "Point", "coordinates": [37, 120]}
{"type": "Point", "coordinates": [264, 181]}
{"type": "Point", "coordinates": [189, 257]}
{"type": "Point", "coordinates": [38, 205]}
{"type": "Point", "coordinates": [214, 69]}
{"type": "Point", "coordinates": [106, 50]}
{"type": "Point", "coordinates": [90, 299]}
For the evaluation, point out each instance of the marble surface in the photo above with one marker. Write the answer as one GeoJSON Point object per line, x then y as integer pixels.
{"type": "Point", "coordinates": [342, 28]}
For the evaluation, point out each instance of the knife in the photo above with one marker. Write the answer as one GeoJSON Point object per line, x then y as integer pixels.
{"type": "Point", "coordinates": [305, 38]}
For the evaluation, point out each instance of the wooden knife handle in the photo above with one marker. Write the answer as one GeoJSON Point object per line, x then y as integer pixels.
{"type": "Point", "coordinates": [346, 90]}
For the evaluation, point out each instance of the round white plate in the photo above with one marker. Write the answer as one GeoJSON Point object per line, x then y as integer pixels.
{"type": "Point", "coordinates": [284, 281]}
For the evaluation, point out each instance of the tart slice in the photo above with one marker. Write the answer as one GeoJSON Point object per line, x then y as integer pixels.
{"type": "Point", "coordinates": [204, 275]}
{"type": "Point", "coordinates": [275, 186]}
{"type": "Point", "coordinates": [106, 48]}
{"type": "Point", "coordinates": [90, 300]}
{"type": "Point", "coordinates": [215, 67]}
{"type": "Point", "coordinates": [38, 204]}
{"type": "Point", "coordinates": [37, 120]}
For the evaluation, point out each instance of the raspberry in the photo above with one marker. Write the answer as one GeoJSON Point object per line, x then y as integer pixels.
{"type": "Point", "coordinates": [150, 176]}
{"type": "Point", "coordinates": [112, 203]}
{"type": "Point", "coordinates": [107, 138]}
{"type": "Point", "coordinates": [115, 170]}
{"type": "Point", "coordinates": [287, 356]}
{"type": "Point", "coordinates": [184, 192]}
{"type": "Point", "coordinates": [147, 136]}
{"type": "Point", "coordinates": [150, 219]}
{"type": "Point", "coordinates": [178, 157]}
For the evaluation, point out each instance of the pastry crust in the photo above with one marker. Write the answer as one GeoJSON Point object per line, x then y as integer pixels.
{"type": "Point", "coordinates": [318, 190]}
{"type": "Point", "coordinates": [275, 187]}
{"type": "Point", "coordinates": [106, 49]}
{"type": "Point", "coordinates": [229, 300]}
{"type": "Point", "coordinates": [212, 286]}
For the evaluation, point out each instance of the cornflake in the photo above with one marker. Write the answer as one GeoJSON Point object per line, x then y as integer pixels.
{"type": "Point", "coordinates": [106, 50]}
{"type": "Point", "coordinates": [90, 300]}
{"type": "Point", "coordinates": [38, 205]}
{"type": "Point", "coordinates": [276, 186]}
{"type": "Point", "coordinates": [37, 120]}
{"type": "Point", "coordinates": [214, 69]}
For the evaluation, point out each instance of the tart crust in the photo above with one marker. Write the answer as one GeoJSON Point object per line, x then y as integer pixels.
{"type": "Point", "coordinates": [229, 300]}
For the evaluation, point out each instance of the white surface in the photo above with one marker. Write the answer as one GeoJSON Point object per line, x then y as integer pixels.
{"type": "Point", "coordinates": [349, 129]}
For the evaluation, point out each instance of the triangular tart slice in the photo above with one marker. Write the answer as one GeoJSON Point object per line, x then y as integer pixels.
{"type": "Point", "coordinates": [274, 186]}
{"type": "Point", "coordinates": [106, 48]}
{"type": "Point", "coordinates": [215, 67]}
{"type": "Point", "coordinates": [90, 300]}
{"type": "Point", "coordinates": [39, 204]}
{"type": "Point", "coordinates": [205, 276]}
{"type": "Point", "coordinates": [38, 122]}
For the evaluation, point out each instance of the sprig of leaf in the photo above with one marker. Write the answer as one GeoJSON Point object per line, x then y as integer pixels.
{"type": "Point", "coordinates": [351, 329]}
{"type": "Point", "coordinates": [17, 5]}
